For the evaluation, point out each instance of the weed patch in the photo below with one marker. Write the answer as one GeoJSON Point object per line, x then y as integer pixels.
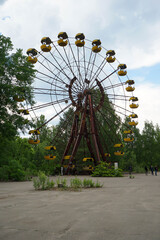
{"type": "Point", "coordinates": [42, 182]}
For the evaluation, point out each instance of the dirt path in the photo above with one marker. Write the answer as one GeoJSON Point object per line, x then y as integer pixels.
{"type": "Point", "coordinates": [124, 209]}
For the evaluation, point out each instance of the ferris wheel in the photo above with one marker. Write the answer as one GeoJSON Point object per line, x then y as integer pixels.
{"type": "Point", "coordinates": [74, 72]}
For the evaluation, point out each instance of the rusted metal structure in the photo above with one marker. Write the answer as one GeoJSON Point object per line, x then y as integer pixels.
{"type": "Point", "coordinates": [79, 73]}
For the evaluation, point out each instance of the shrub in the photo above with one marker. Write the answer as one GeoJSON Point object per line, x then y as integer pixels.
{"type": "Point", "coordinates": [76, 183]}
{"type": "Point", "coordinates": [118, 173]}
{"type": "Point", "coordinates": [98, 185]}
{"type": "Point", "coordinates": [13, 171]}
{"type": "Point", "coordinates": [42, 182]}
{"type": "Point", "coordinates": [16, 172]}
{"type": "Point", "coordinates": [88, 183]}
{"type": "Point", "coordinates": [104, 170]}
{"type": "Point", "coordinates": [64, 183]}
{"type": "Point", "coordinates": [131, 176]}
{"type": "Point", "coordinates": [58, 181]}
{"type": "Point", "coordinates": [29, 173]}
{"type": "Point", "coordinates": [61, 183]}
{"type": "Point", "coordinates": [4, 173]}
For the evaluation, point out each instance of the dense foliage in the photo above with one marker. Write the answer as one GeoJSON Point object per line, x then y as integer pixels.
{"type": "Point", "coordinates": [105, 170]}
{"type": "Point", "coordinates": [16, 76]}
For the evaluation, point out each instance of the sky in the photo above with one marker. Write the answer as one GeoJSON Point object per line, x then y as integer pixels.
{"type": "Point", "coordinates": [131, 28]}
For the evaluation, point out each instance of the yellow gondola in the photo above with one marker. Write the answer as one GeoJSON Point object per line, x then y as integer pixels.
{"type": "Point", "coordinates": [62, 43]}
{"type": "Point", "coordinates": [129, 139]}
{"type": "Point", "coordinates": [128, 132]}
{"type": "Point", "coordinates": [80, 36]}
{"type": "Point", "coordinates": [122, 72]}
{"type": "Point", "coordinates": [32, 59]}
{"type": "Point", "coordinates": [118, 153]}
{"type": "Point", "coordinates": [88, 159]}
{"type": "Point", "coordinates": [130, 82]}
{"type": "Point", "coordinates": [46, 48]}
{"type": "Point", "coordinates": [46, 40]}
{"type": "Point", "coordinates": [88, 168]}
{"type": "Point", "coordinates": [118, 145]}
{"type": "Point", "coordinates": [32, 52]}
{"type": "Point", "coordinates": [62, 36]}
{"type": "Point", "coordinates": [133, 115]}
{"type": "Point", "coordinates": [50, 157]}
{"type": "Point", "coordinates": [96, 46]}
{"type": "Point", "coordinates": [133, 105]}
{"type": "Point", "coordinates": [32, 141]}
{"type": "Point", "coordinates": [133, 123]}
{"type": "Point", "coordinates": [35, 137]}
{"type": "Point", "coordinates": [133, 99]}
{"type": "Point", "coordinates": [50, 148]}
{"type": "Point", "coordinates": [79, 43]}
{"type": "Point", "coordinates": [80, 40]}
{"type": "Point", "coordinates": [24, 111]}
{"type": "Point", "coordinates": [36, 132]}
{"type": "Point", "coordinates": [110, 56]}
{"type": "Point", "coordinates": [130, 89]}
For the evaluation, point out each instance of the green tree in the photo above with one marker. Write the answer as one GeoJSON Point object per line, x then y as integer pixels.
{"type": "Point", "coordinates": [16, 76]}
{"type": "Point", "coordinates": [150, 145]}
{"type": "Point", "coordinates": [46, 139]}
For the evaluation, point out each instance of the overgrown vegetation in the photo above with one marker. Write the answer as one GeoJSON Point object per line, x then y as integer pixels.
{"type": "Point", "coordinates": [106, 170]}
{"type": "Point", "coordinates": [42, 182]}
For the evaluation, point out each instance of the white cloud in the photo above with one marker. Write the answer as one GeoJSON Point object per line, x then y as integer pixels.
{"type": "Point", "coordinates": [149, 102]}
{"type": "Point", "coordinates": [129, 27]}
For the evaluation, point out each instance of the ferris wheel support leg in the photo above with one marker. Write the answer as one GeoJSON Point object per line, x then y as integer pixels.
{"type": "Point", "coordinates": [72, 135]}
{"type": "Point", "coordinates": [93, 132]}
{"type": "Point", "coordinates": [89, 144]}
{"type": "Point", "coordinates": [78, 139]}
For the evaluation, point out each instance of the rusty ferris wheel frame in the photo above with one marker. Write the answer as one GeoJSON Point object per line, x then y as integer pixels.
{"type": "Point", "coordinates": [70, 71]}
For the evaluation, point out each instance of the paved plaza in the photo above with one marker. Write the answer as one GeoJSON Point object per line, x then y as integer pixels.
{"type": "Point", "coordinates": [124, 209]}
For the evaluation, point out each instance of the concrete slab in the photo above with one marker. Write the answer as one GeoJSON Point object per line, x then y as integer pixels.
{"type": "Point", "coordinates": [123, 209]}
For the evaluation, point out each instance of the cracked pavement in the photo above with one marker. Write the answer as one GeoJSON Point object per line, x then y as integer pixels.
{"type": "Point", "coordinates": [123, 209]}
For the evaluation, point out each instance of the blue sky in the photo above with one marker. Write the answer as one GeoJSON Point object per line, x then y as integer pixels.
{"type": "Point", "coordinates": [131, 28]}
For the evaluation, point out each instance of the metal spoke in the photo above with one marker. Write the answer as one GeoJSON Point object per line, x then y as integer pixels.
{"type": "Point", "coordinates": [99, 69]}
{"type": "Point", "coordinates": [59, 69]}
{"type": "Point", "coordinates": [60, 80]}
{"type": "Point", "coordinates": [76, 64]}
{"type": "Point", "coordinates": [106, 77]}
{"type": "Point", "coordinates": [92, 67]}
{"type": "Point", "coordinates": [54, 116]}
